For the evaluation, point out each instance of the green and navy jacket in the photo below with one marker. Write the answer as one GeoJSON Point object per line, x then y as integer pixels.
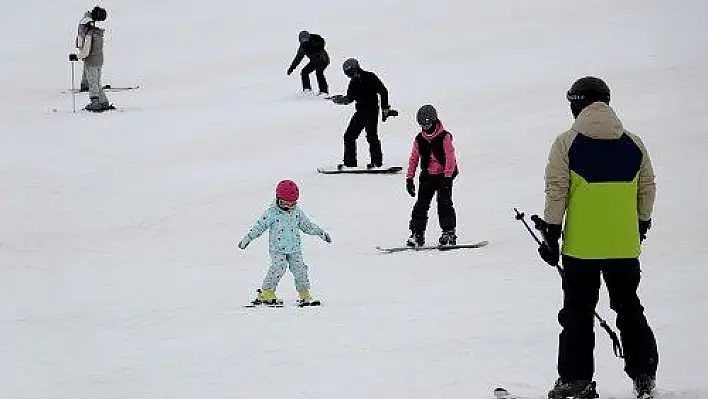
{"type": "Point", "coordinates": [599, 184]}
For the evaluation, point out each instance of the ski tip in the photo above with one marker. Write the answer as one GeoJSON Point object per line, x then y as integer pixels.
{"type": "Point", "coordinates": [263, 305]}
{"type": "Point", "coordinates": [309, 305]}
{"type": "Point", "coordinates": [501, 393]}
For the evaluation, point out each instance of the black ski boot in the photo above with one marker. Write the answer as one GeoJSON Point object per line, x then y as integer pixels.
{"type": "Point", "coordinates": [644, 385]}
{"type": "Point", "coordinates": [97, 106]}
{"type": "Point", "coordinates": [448, 238]}
{"type": "Point", "coordinates": [344, 166]}
{"type": "Point", "coordinates": [579, 389]}
{"type": "Point", "coordinates": [417, 239]}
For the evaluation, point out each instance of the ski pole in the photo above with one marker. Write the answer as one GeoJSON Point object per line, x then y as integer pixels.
{"type": "Point", "coordinates": [73, 85]}
{"type": "Point", "coordinates": [540, 225]}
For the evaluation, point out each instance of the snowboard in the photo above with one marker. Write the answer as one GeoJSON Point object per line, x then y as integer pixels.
{"type": "Point", "coordinates": [360, 170]}
{"type": "Point", "coordinates": [589, 393]}
{"type": "Point", "coordinates": [503, 393]}
{"type": "Point", "coordinates": [391, 250]}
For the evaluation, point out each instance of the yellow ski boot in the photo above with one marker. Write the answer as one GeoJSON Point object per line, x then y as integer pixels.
{"type": "Point", "coordinates": [268, 298]}
{"type": "Point", "coordinates": [306, 299]}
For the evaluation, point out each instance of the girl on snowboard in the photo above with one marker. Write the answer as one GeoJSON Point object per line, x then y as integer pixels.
{"type": "Point", "coordinates": [434, 150]}
{"type": "Point", "coordinates": [284, 219]}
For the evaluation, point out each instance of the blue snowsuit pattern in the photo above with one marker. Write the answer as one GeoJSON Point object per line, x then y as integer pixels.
{"type": "Point", "coordinates": [284, 244]}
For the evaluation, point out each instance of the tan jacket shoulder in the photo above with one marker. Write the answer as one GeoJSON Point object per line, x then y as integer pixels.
{"type": "Point", "coordinates": [646, 192]}
{"type": "Point", "coordinates": [557, 178]}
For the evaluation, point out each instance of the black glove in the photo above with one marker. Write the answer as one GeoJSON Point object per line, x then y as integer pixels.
{"type": "Point", "coordinates": [387, 113]}
{"type": "Point", "coordinates": [549, 248]}
{"type": "Point", "coordinates": [73, 57]}
{"type": "Point", "coordinates": [644, 226]}
{"type": "Point", "coordinates": [290, 70]}
{"type": "Point", "coordinates": [410, 187]}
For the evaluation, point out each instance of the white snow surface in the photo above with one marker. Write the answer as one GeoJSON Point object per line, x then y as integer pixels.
{"type": "Point", "coordinates": [119, 271]}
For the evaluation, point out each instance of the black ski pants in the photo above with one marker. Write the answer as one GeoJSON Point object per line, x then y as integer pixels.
{"type": "Point", "coordinates": [428, 187]}
{"type": "Point", "coordinates": [318, 65]}
{"type": "Point", "coordinates": [363, 119]}
{"type": "Point", "coordinates": [581, 286]}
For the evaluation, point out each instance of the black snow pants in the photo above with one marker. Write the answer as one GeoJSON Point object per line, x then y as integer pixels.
{"type": "Point", "coordinates": [318, 65]}
{"type": "Point", "coordinates": [363, 119]}
{"type": "Point", "coordinates": [581, 286]}
{"type": "Point", "coordinates": [428, 187]}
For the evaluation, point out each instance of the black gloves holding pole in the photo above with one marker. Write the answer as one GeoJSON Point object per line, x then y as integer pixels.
{"type": "Point", "coordinates": [549, 248]}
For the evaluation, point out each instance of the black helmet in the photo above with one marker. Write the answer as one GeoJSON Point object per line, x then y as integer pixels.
{"type": "Point", "coordinates": [350, 67]}
{"type": "Point", "coordinates": [591, 88]}
{"type": "Point", "coordinates": [426, 115]}
{"type": "Point", "coordinates": [586, 91]}
{"type": "Point", "coordinates": [98, 14]}
{"type": "Point", "coordinates": [303, 36]}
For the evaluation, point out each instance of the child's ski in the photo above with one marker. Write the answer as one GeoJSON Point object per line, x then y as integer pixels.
{"type": "Point", "coordinates": [264, 305]}
{"type": "Point", "coordinates": [281, 305]}
{"type": "Point", "coordinates": [316, 302]}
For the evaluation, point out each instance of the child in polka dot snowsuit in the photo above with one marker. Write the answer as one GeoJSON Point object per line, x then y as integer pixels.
{"type": "Point", "coordinates": [284, 220]}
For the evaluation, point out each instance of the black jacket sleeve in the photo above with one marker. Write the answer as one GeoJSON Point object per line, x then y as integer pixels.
{"type": "Point", "coordinates": [298, 57]}
{"type": "Point", "coordinates": [383, 92]}
{"type": "Point", "coordinates": [349, 98]}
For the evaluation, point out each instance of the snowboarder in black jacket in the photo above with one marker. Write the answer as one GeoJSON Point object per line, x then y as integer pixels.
{"type": "Point", "coordinates": [313, 46]}
{"type": "Point", "coordinates": [364, 89]}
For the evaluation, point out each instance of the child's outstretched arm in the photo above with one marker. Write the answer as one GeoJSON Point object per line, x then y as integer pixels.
{"type": "Point", "coordinates": [308, 227]}
{"type": "Point", "coordinates": [261, 225]}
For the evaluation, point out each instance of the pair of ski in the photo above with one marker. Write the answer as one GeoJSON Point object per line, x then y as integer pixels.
{"type": "Point", "coordinates": [107, 88]}
{"type": "Point", "coordinates": [391, 250]}
{"type": "Point", "coordinates": [282, 305]}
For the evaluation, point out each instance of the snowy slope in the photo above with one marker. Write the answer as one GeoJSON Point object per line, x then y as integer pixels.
{"type": "Point", "coordinates": [119, 271]}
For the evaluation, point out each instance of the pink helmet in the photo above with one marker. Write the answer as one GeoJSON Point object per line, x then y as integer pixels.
{"type": "Point", "coordinates": [287, 190]}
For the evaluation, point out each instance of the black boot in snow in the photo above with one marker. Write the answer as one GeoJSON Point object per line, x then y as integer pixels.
{"type": "Point", "coordinates": [97, 106]}
{"type": "Point", "coordinates": [579, 389]}
{"type": "Point", "coordinates": [448, 238]}
{"type": "Point", "coordinates": [417, 239]}
{"type": "Point", "coordinates": [644, 385]}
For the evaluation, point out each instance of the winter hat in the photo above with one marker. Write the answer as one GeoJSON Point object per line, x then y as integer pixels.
{"type": "Point", "coordinates": [98, 14]}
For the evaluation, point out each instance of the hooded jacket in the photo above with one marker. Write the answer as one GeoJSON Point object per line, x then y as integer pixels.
{"type": "Point", "coordinates": [600, 178]}
{"type": "Point", "coordinates": [91, 50]}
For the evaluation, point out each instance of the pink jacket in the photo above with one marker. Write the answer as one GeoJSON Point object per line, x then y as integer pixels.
{"type": "Point", "coordinates": [434, 168]}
